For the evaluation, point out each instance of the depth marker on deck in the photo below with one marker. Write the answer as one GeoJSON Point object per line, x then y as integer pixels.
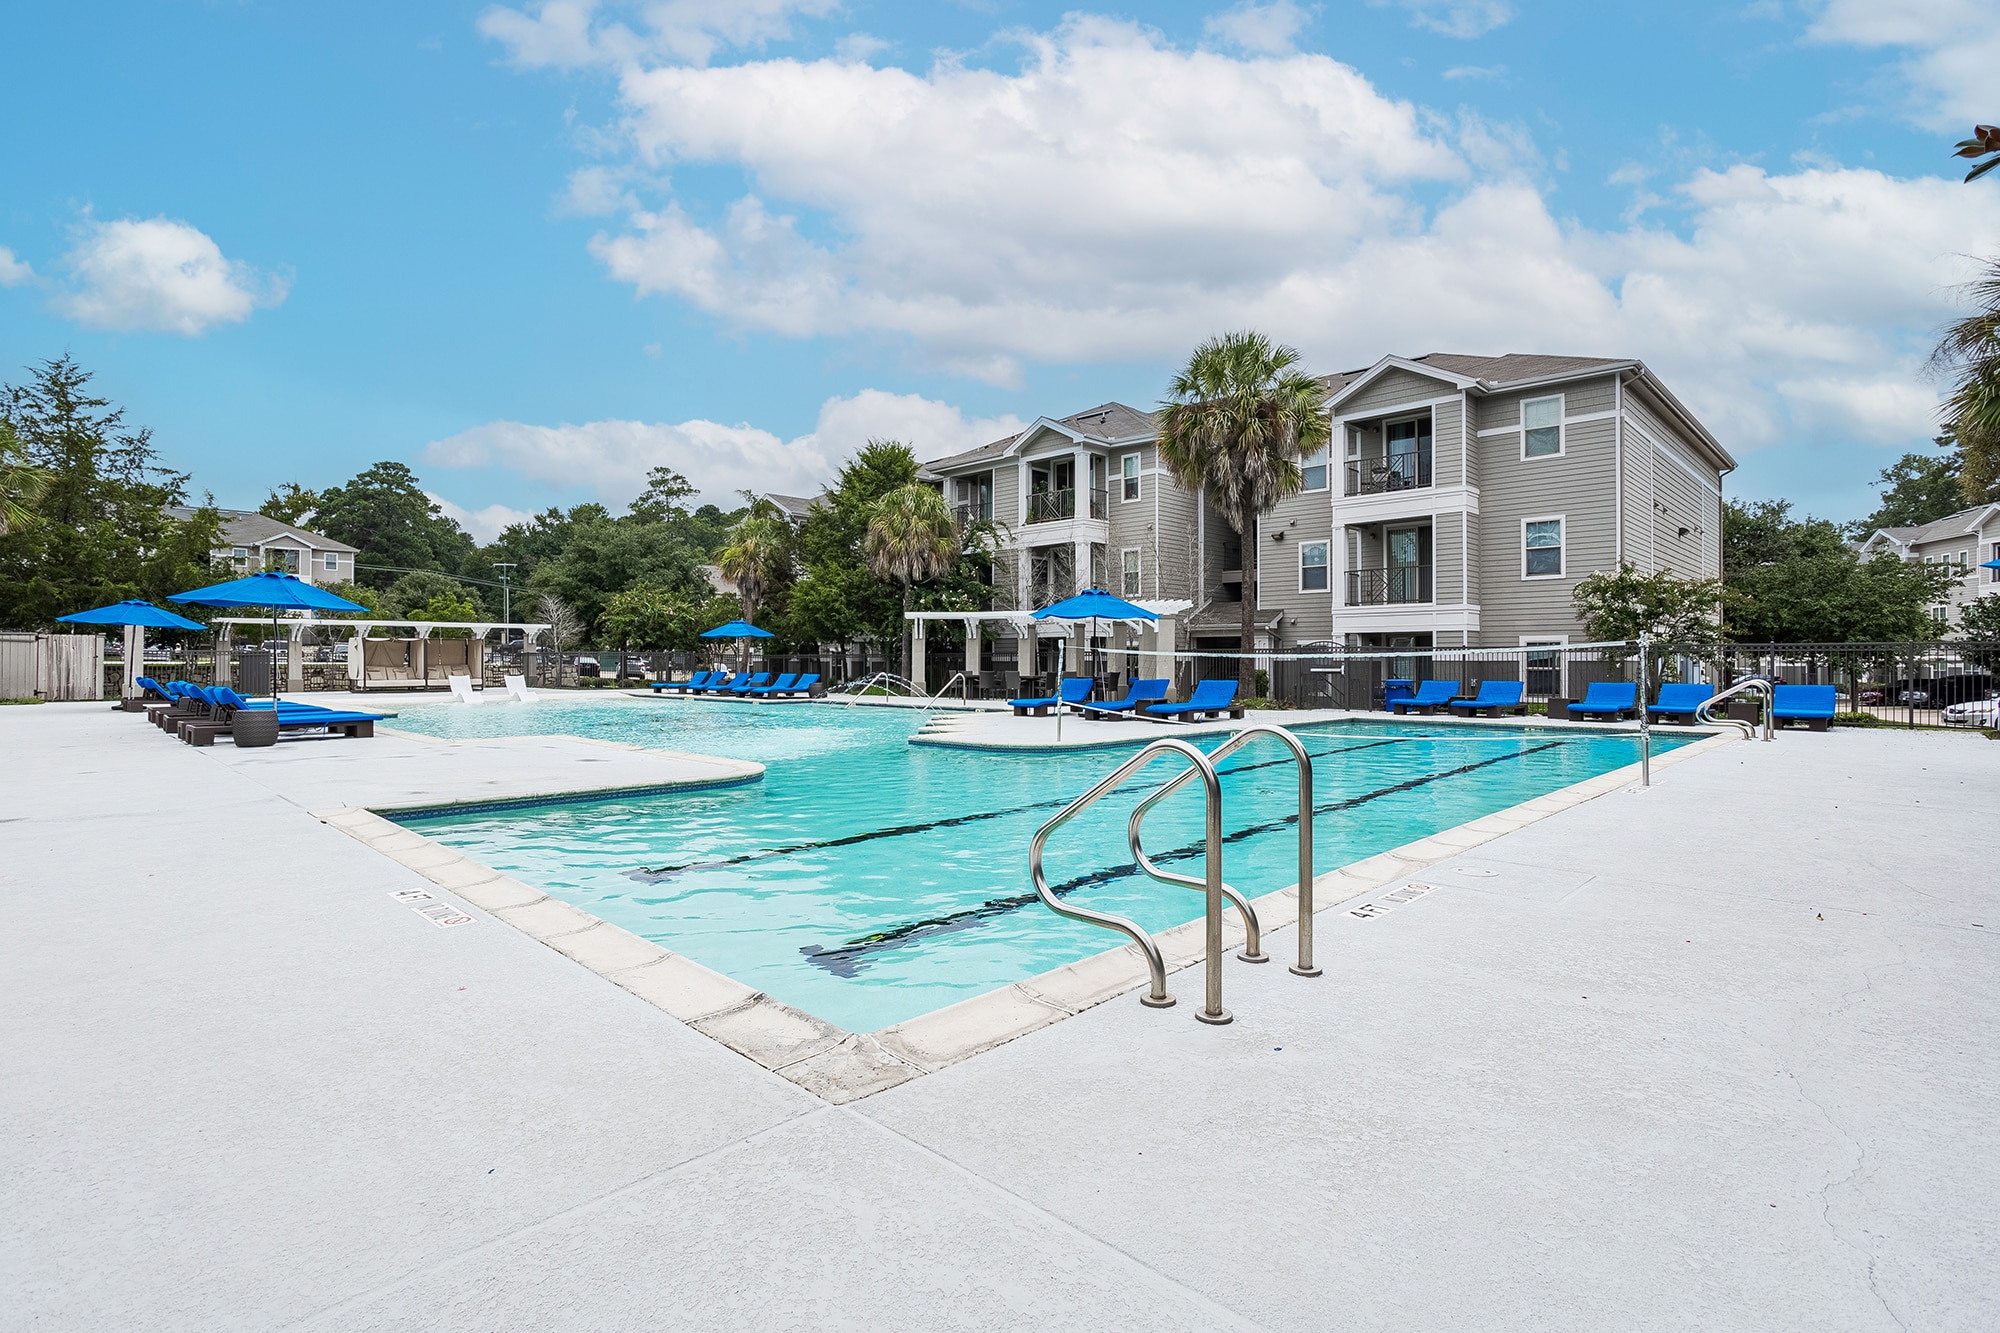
{"type": "Point", "coordinates": [1389, 902]}
{"type": "Point", "coordinates": [431, 907]}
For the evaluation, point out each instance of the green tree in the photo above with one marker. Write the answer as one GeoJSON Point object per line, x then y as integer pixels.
{"type": "Point", "coordinates": [1238, 418]}
{"type": "Point", "coordinates": [912, 538]}
{"type": "Point", "coordinates": [1917, 489]}
{"type": "Point", "coordinates": [1796, 581]}
{"type": "Point", "coordinates": [1979, 620]}
{"type": "Point", "coordinates": [660, 502]}
{"type": "Point", "coordinates": [647, 618]}
{"type": "Point", "coordinates": [21, 483]}
{"type": "Point", "coordinates": [601, 557]}
{"type": "Point", "coordinates": [385, 514]}
{"type": "Point", "coordinates": [1969, 356]}
{"type": "Point", "coordinates": [758, 557]}
{"type": "Point", "coordinates": [103, 529]}
{"type": "Point", "coordinates": [291, 503]}
{"type": "Point", "coordinates": [1672, 610]}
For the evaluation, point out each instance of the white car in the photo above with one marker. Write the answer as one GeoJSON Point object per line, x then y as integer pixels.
{"type": "Point", "coordinates": [1975, 713]}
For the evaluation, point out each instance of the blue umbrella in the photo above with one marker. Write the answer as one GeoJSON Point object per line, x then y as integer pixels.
{"type": "Point", "coordinates": [1094, 604]}
{"type": "Point", "coordinates": [274, 589]}
{"type": "Point", "coordinates": [137, 616]}
{"type": "Point", "coordinates": [737, 629]}
{"type": "Point", "coordinates": [134, 612]}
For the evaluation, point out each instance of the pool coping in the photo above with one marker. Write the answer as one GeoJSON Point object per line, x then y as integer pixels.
{"type": "Point", "coordinates": [839, 1066]}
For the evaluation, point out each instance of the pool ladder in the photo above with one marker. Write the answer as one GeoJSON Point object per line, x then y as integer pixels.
{"type": "Point", "coordinates": [1761, 688]}
{"type": "Point", "coordinates": [1200, 766]}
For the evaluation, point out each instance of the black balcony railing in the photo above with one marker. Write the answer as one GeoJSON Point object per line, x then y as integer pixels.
{"type": "Point", "coordinates": [1389, 587]}
{"type": "Point", "coordinates": [968, 514]}
{"type": "Point", "coordinates": [1049, 506]}
{"type": "Point", "coordinates": [1099, 500]}
{"type": "Point", "coordinates": [1397, 472]}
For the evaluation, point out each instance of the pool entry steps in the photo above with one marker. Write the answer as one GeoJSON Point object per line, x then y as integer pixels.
{"type": "Point", "coordinates": [1202, 766]}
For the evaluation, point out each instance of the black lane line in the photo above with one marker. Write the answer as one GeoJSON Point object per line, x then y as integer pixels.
{"type": "Point", "coordinates": [653, 875]}
{"type": "Point", "coordinates": [847, 960]}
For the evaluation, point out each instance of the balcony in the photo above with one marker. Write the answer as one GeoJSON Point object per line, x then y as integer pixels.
{"type": "Point", "coordinates": [1381, 476]}
{"type": "Point", "coordinates": [1397, 586]}
{"type": "Point", "coordinates": [968, 514]}
{"type": "Point", "coordinates": [1056, 505]}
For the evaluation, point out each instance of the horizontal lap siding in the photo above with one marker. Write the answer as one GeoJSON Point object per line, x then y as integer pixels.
{"type": "Point", "coordinates": [1581, 485]}
{"type": "Point", "coordinates": [1447, 445]}
{"type": "Point", "coordinates": [1007, 493]}
{"type": "Point", "coordinates": [1668, 472]}
{"type": "Point", "coordinates": [1305, 517]}
{"type": "Point", "coordinates": [1394, 387]}
{"type": "Point", "coordinates": [1448, 558]}
{"type": "Point", "coordinates": [1175, 569]}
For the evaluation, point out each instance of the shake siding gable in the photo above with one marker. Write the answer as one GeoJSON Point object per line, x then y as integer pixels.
{"type": "Point", "coordinates": [1395, 387]}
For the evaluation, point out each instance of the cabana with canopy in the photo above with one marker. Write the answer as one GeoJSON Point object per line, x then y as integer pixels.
{"type": "Point", "coordinates": [1154, 633]}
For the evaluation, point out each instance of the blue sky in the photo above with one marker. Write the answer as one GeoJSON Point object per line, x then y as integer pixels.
{"type": "Point", "coordinates": [535, 250]}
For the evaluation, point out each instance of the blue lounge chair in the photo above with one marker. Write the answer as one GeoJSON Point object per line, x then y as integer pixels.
{"type": "Point", "coordinates": [743, 686]}
{"type": "Point", "coordinates": [294, 717]}
{"type": "Point", "coordinates": [721, 682]}
{"type": "Point", "coordinates": [1142, 692]}
{"type": "Point", "coordinates": [1810, 704]}
{"type": "Point", "coordinates": [784, 687]}
{"type": "Point", "coordinates": [1494, 698]}
{"type": "Point", "coordinates": [784, 682]}
{"type": "Point", "coordinates": [1395, 690]}
{"type": "Point", "coordinates": [154, 690]}
{"type": "Point", "coordinates": [1072, 691]}
{"type": "Point", "coordinates": [1212, 697]}
{"type": "Point", "coordinates": [1617, 698]}
{"type": "Point", "coordinates": [694, 682]}
{"type": "Point", "coordinates": [1430, 696]}
{"type": "Point", "coordinates": [1678, 702]}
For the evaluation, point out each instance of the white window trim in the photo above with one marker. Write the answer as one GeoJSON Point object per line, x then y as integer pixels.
{"type": "Point", "coordinates": [1326, 564]}
{"type": "Point", "coordinates": [1137, 474]}
{"type": "Point", "coordinates": [331, 564]}
{"type": "Point", "coordinates": [1545, 640]}
{"type": "Point", "coordinates": [1306, 461]}
{"type": "Point", "coordinates": [1563, 519]}
{"type": "Point", "coordinates": [1138, 554]}
{"type": "Point", "coordinates": [1562, 426]}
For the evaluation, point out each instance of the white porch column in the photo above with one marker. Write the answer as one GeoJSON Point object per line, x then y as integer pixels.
{"type": "Point", "coordinates": [916, 663]}
{"type": "Point", "coordinates": [971, 655]}
{"type": "Point", "coordinates": [1165, 632]}
{"type": "Point", "coordinates": [421, 651]}
{"type": "Point", "coordinates": [223, 657]}
{"type": "Point", "coordinates": [295, 660]}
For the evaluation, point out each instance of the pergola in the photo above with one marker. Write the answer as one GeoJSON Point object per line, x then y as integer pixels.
{"type": "Point", "coordinates": [387, 662]}
{"type": "Point", "coordinates": [1157, 636]}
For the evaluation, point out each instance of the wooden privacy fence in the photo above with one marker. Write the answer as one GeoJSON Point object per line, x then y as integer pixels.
{"type": "Point", "coordinates": [55, 667]}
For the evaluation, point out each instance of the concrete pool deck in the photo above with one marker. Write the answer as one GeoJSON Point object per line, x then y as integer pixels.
{"type": "Point", "coordinates": [1715, 1054]}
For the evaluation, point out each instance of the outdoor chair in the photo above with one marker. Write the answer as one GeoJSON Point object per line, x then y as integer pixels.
{"type": "Point", "coordinates": [1677, 702]}
{"type": "Point", "coordinates": [1142, 693]}
{"type": "Point", "coordinates": [1614, 699]}
{"type": "Point", "coordinates": [518, 691]}
{"type": "Point", "coordinates": [745, 686]}
{"type": "Point", "coordinates": [1494, 698]}
{"type": "Point", "coordinates": [293, 717]}
{"type": "Point", "coordinates": [1811, 704]}
{"type": "Point", "coordinates": [1430, 696]}
{"type": "Point", "coordinates": [1073, 691]}
{"type": "Point", "coordinates": [154, 690]}
{"type": "Point", "coordinates": [1211, 698]}
{"type": "Point", "coordinates": [694, 682]}
{"type": "Point", "coordinates": [721, 682]}
{"type": "Point", "coordinates": [805, 684]}
{"type": "Point", "coordinates": [461, 690]}
{"type": "Point", "coordinates": [778, 686]}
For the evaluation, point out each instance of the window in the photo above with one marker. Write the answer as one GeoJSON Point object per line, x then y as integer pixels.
{"type": "Point", "coordinates": [1128, 575]}
{"type": "Point", "coordinates": [1312, 567]}
{"type": "Point", "coordinates": [1314, 468]}
{"type": "Point", "coordinates": [241, 553]}
{"type": "Point", "coordinates": [1964, 562]}
{"type": "Point", "coordinates": [332, 562]}
{"type": "Point", "coordinates": [1128, 476]}
{"type": "Point", "coordinates": [1542, 548]}
{"type": "Point", "coordinates": [1993, 575]}
{"type": "Point", "coordinates": [1541, 427]}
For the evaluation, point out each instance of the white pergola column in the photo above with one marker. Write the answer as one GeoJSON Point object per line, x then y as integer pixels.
{"type": "Point", "coordinates": [223, 658]}
{"type": "Point", "coordinates": [916, 662]}
{"type": "Point", "coordinates": [135, 656]}
{"type": "Point", "coordinates": [295, 659]}
{"type": "Point", "coordinates": [971, 655]}
{"type": "Point", "coordinates": [1165, 631]}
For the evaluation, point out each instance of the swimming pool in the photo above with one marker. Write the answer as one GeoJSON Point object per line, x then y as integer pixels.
{"type": "Point", "coordinates": [866, 880]}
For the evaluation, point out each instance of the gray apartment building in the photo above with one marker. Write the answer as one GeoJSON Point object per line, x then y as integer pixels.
{"type": "Point", "coordinates": [1962, 542]}
{"type": "Point", "coordinates": [1460, 501]}
{"type": "Point", "coordinates": [253, 542]}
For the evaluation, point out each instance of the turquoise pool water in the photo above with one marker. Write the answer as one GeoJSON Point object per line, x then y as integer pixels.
{"type": "Point", "coordinates": [867, 880]}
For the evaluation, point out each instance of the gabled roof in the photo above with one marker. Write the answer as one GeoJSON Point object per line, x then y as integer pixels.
{"type": "Point", "coordinates": [1106, 423]}
{"type": "Point", "coordinates": [796, 507]}
{"type": "Point", "coordinates": [1952, 527]}
{"type": "Point", "coordinates": [244, 527]}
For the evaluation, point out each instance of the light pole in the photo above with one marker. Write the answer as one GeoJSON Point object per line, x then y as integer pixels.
{"type": "Point", "coordinates": [506, 592]}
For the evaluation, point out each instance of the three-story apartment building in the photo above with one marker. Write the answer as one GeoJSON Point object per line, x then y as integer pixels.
{"type": "Point", "coordinates": [1962, 542]}
{"type": "Point", "coordinates": [1461, 500]}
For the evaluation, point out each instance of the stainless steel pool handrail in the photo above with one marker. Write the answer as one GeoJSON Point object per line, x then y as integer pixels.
{"type": "Point", "coordinates": [1252, 952]}
{"type": "Point", "coordinates": [1760, 687]}
{"type": "Point", "coordinates": [1158, 997]}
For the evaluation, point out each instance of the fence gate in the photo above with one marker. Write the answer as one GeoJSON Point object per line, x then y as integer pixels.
{"type": "Point", "coordinates": [55, 667]}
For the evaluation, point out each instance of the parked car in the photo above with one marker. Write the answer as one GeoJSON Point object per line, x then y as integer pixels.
{"type": "Point", "coordinates": [1914, 698]}
{"type": "Point", "coordinates": [1872, 696]}
{"type": "Point", "coordinates": [587, 666]}
{"type": "Point", "coordinates": [1975, 712]}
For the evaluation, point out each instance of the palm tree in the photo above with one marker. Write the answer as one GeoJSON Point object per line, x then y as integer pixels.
{"type": "Point", "coordinates": [912, 538]}
{"type": "Point", "coordinates": [755, 556]}
{"type": "Point", "coordinates": [1237, 423]}
{"type": "Point", "coordinates": [21, 484]}
{"type": "Point", "coordinates": [1970, 354]}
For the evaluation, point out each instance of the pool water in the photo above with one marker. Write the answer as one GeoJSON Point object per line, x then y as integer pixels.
{"type": "Point", "coordinates": [867, 880]}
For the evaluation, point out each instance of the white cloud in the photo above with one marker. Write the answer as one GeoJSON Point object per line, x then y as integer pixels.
{"type": "Point", "coordinates": [486, 524]}
{"type": "Point", "coordinates": [1263, 28]}
{"type": "Point", "coordinates": [1476, 72]}
{"type": "Point", "coordinates": [567, 34]}
{"type": "Point", "coordinates": [13, 272]}
{"type": "Point", "coordinates": [1953, 45]}
{"type": "Point", "coordinates": [612, 458]}
{"type": "Point", "coordinates": [159, 275]}
{"type": "Point", "coordinates": [1118, 199]}
{"type": "Point", "coordinates": [1455, 18]}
